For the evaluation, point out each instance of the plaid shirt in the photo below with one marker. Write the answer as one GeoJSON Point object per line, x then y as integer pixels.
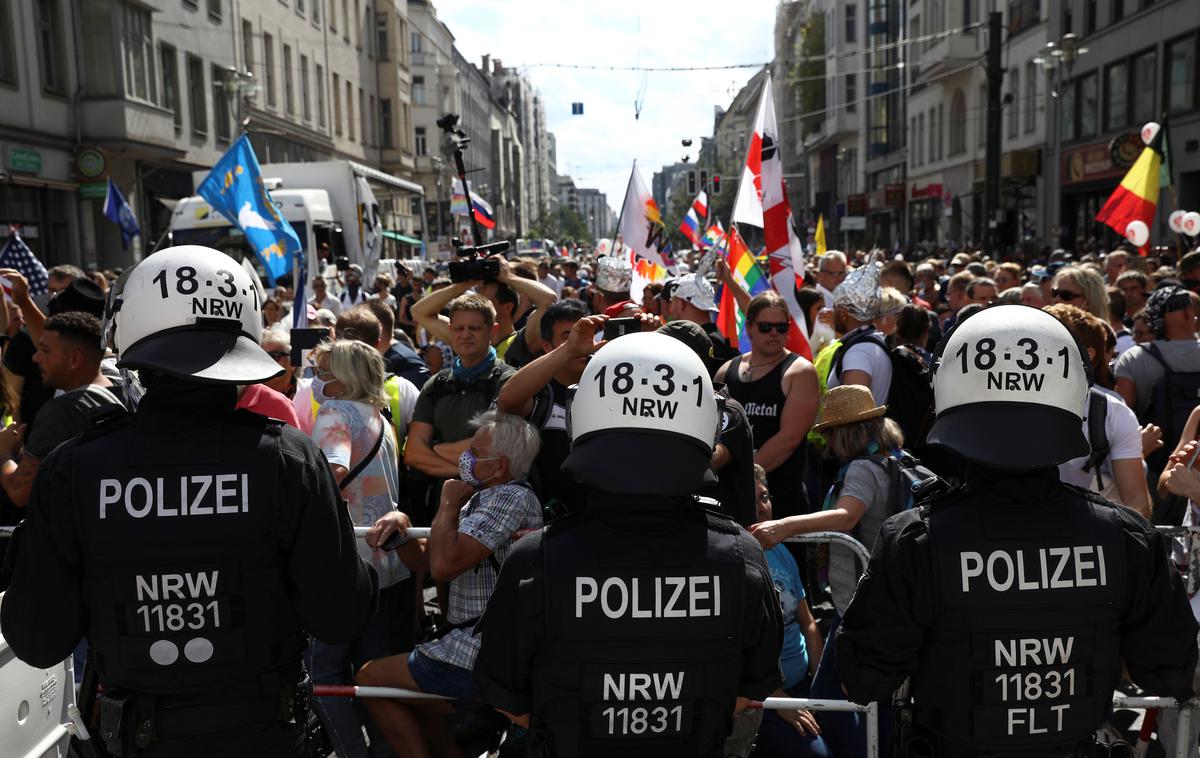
{"type": "Point", "coordinates": [490, 516]}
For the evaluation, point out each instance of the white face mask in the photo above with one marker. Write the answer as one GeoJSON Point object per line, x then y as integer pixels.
{"type": "Point", "coordinates": [318, 390]}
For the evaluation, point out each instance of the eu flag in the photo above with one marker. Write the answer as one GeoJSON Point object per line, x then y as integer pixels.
{"type": "Point", "coordinates": [117, 210]}
{"type": "Point", "coordinates": [235, 189]}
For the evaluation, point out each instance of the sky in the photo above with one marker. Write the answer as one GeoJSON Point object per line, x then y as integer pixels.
{"type": "Point", "coordinates": [598, 148]}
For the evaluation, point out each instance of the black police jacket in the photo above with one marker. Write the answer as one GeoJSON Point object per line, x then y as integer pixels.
{"type": "Point", "coordinates": [630, 628]}
{"type": "Point", "coordinates": [191, 544]}
{"type": "Point", "coordinates": [1011, 603]}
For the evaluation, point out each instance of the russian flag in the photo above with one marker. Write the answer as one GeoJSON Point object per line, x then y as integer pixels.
{"type": "Point", "coordinates": [483, 212]}
{"type": "Point", "coordinates": [690, 225]}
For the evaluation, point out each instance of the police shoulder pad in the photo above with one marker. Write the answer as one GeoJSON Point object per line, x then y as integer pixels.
{"type": "Point", "coordinates": [106, 421]}
{"type": "Point", "coordinates": [269, 425]}
{"type": "Point", "coordinates": [1089, 495]}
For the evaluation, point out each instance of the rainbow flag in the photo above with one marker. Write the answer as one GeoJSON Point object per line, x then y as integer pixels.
{"type": "Point", "coordinates": [712, 236]}
{"type": "Point", "coordinates": [731, 322]}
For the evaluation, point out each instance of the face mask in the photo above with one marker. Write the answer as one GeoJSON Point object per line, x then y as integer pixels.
{"type": "Point", "coordinates": [318, 390]}
{"type": "Point", "coordinates": [466, 468]}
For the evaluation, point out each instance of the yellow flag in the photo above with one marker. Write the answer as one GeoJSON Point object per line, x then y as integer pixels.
{"type": "Point", "coordinates": [820, 236]}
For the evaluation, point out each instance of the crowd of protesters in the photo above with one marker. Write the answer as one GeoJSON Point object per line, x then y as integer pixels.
{"type": "Point", "coordinates": [444, 404]}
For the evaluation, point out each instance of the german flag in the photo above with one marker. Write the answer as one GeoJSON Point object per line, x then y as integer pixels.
{"type": "Point", "coordinates": [1136, 199]}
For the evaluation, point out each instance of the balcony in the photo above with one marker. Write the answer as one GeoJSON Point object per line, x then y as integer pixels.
{"type": "Point", "coordinates": [946, 54]}
{"type": "Point", "coordinates": [119, 119]}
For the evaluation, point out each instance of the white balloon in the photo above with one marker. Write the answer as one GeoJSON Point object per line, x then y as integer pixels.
{"type": "Point", "coordinates": [1150, 131]}
{"type": "Point", "coordinates": [1191, 224]}
{"type": "Point", "coordinates": [1137, 233]}
{"type": "Point", "coordinates": [1175, 221]}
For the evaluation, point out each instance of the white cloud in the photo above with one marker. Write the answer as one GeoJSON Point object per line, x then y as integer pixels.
{"type": "Point", "coordinates": [599, 147]}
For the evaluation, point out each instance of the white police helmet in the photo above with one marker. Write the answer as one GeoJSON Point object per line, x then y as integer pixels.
{"type": "Point", "coordinates": [643, 418]}
{"type": "Point", "coordinates": [1010, 389]}
{"type": "Point", "coordinates": [190, 311]}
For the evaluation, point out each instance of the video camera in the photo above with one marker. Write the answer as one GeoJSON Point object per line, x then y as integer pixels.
{"type": "Point", "coordinates": [475, 263]}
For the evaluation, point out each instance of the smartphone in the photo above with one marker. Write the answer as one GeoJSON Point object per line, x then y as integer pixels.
{"type": "Point", "coordinates": [306, 339]}
{"type": "Point", "coordinates": [619, 327]}
{"type": "Point", "coordinates": [395, 541]}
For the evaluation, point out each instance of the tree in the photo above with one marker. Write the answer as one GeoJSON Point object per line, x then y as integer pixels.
{"type": "Point", "coordinates": [809, 75]}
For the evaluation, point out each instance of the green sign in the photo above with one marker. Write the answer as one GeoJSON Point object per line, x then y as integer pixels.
{"type": "Point", "coordinates": [20, 159]}
{"type": "Point", "coordinates": [90, 163]}
{"type": "Point", "coordinates": [93, 190]}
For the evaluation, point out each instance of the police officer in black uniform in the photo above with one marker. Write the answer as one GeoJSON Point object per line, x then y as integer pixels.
{"type": "Point", "coordinates": [1012, 600]}
{"type": "Point", "coordinates": [191, 544]}
{"type": "Point", "coordinates": [634, 626]}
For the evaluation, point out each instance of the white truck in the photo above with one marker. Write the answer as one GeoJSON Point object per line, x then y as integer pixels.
{"type": "Point", "coordinates": [323, 201]}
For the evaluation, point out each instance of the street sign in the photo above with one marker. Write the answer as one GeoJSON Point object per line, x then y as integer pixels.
{"type": "Point", "coordinates": [20, 159]}
{"type": "Point", "coordinates": [93, 190]}
{"type": "Point", "coordinates": [854, 223]}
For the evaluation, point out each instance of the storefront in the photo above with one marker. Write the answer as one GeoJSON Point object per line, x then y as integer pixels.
{"type": "Point", "coordinates": [925, 212]}
{"type": "Point", "coordinates": [38, 196]}
{"type": "Point", "coordinates": [1089, 174]}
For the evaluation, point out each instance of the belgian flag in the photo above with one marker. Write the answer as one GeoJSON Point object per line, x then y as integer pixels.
{"type": "Point", "coordinates": [1136, 199]}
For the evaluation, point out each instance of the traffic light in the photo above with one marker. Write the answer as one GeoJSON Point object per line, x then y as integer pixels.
{"type": "Point", "coordinates": [691, 182]}
{"type": "Point", "coordinates": [703, 181]}
{"type": "Point", "coordinates": [716, 184]}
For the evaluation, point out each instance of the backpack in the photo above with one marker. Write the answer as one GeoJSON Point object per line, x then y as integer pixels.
{"type": "Point", "coordinates": [1097, 436]}
{"type": "Point", "coordinates": [1171, 402]}
{"type": "Point", "coordinates": [906, 474]}
{"type": "Point", "coordinates": [910, 396]}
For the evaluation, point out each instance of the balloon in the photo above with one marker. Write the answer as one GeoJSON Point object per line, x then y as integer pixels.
{"type": "Point", "coordinates": [604, 247]}
{"type": "Point", "coordinates": [1137, 233]}
{"type": "Point", "coordinates": [1150, 131]}
{"type": "Point", "coordinates": [1191, 224]}
{"type": "Point", "coordinates": [1175, 221]}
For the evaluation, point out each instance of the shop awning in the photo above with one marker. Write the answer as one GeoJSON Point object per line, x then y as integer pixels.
{"type": "Point", "coordinates": [401, 238]}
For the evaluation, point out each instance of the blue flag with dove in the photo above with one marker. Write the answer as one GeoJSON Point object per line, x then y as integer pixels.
{"type": "Point", "coordinates": [235, 188]}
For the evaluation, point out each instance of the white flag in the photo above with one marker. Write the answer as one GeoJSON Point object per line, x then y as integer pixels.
{"type": "Point", "coordinates": [642, 227]}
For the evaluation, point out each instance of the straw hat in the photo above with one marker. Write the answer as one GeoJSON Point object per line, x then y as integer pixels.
{"type": "Point", "coordinates": [848, 404]}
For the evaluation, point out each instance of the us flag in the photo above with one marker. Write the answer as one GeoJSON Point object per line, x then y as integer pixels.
{"type": "Point", "coordinates": [16, 255]}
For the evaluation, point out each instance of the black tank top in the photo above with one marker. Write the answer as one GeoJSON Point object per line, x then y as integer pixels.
{"type": "Point", "coordinates": [763, 400]}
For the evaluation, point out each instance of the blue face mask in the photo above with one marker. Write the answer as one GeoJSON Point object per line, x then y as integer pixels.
{"type": "Point", "coordinates": [318, 390]}
{"type": "Point", "coordinates": [466, 468]}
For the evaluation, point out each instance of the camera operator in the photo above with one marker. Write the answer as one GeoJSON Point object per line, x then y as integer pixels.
{"type": "Point", "coordinates": [503, 292]}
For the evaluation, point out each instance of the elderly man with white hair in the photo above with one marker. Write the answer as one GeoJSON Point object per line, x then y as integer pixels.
{"type": "Point", "coordinates": [471, 534]}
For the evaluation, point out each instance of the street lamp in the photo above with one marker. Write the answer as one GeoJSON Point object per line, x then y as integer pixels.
{"type": "Point", "coordinates": [1057, 59]}
{"type": "Point", "coordinates": [239, 86]}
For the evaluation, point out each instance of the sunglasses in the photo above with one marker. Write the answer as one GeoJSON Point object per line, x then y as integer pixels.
{"type": "Point", "coordinates": [1067, 295]}
{"type": "Point", "coordinates": [765, 327]}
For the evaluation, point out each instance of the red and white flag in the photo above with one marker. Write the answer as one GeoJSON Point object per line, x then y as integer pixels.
{"type": "Point", "coordinates": [762, 201]}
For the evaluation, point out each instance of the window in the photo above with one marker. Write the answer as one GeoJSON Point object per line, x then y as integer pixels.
{"type": "Point", "coordinates": [422, 145]}
{"type": "Point", "coordinates": [1181, 75]}
{"type": "Point", "coordinates": [1089, 16]}
{"type": "Point", "coordinates": [402, 40]}
{"type": "Point", "coordinates": [349, 111]}
{"type": "Point", "coordinates": [337, 105]}
{"type": "Point", "coordinates": [1088, 102]}
{"type": "Point", "coordinates": [220, 106]}
{"type": "Point", "coordinates": [1031, 96]}
{"type": "Point", "coordinates": [1118, 10]}
{"type": "Point", "coordinates": [385, 123]}
{"type": "Point", "coordinates": [48, 21]}
{"type": "Point", "coordinates": [300, 7]}
{"type": "Point", "coordinates": [941, 128]}
{"type": "Point", "coordinates": [320, 94]}
{"type": "Point", "coordinates": [982, 111]}
{"type": "Point", "coordinates": [932, 136]}
{"type": "Point", "coordinates": [1116, 96]}
{"type": "Point", "coordinates": [912, 136]}
{"type": "Point", "coordinates": [851, 23]}
{"type": "Point", "coordinates": [373, 131]}
{"type": "Point", "coordinates": [381, 36]}
{"type": "Point", "coordinates": [332, 15]}
{"type": "Point", "coordinates": [170, 84]}
{"type": "Point", "coordinates": [269, 67]}
{"type": "Point", "coordinates": [358, 30]}
{"type": "Point", "coordinates": [138, 53]}
{"type": "Point", "coordinates": [362, 117]}
{"type": "Point", "coordinates": [968, 12]}
{"type": "Point", "coordinates": [289, 98]}
{"type": "Point", "coordinates": [418, 90]}
{"type": "Point", "coordinates": [851, 93]}
{"type": "Point", "coordinates": [1067, 109]}
{"type": "Point", "coordinates": [406, 125]}
{"type": "Point", "coordinates": [346, 19]}
{"type": "Point", "coordinates": [1144, 86]}
{"type": "Point", "coordinates": [305, 100]}
{"type": "Point", "coordinates": [1022, 14]}
{"type": "Point", "coordinates": [248, 46]}
{"type": "Point", "coordinates": [8, 61]}
{"type": "Point", "coordinates": [417, 50]}
{"type": "Point", "coordinates": [1014, 105]}
{"type": "Point", "coordinates": [214, 9]}
{"type": "Point", "coordinates": [197, 98]}
{"type": "Point", "coordinates": [920, 138]}
{"type": "Point", "coordinates": [316, 12]}
{"type": "Point", "coordinates": [958, 123]}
